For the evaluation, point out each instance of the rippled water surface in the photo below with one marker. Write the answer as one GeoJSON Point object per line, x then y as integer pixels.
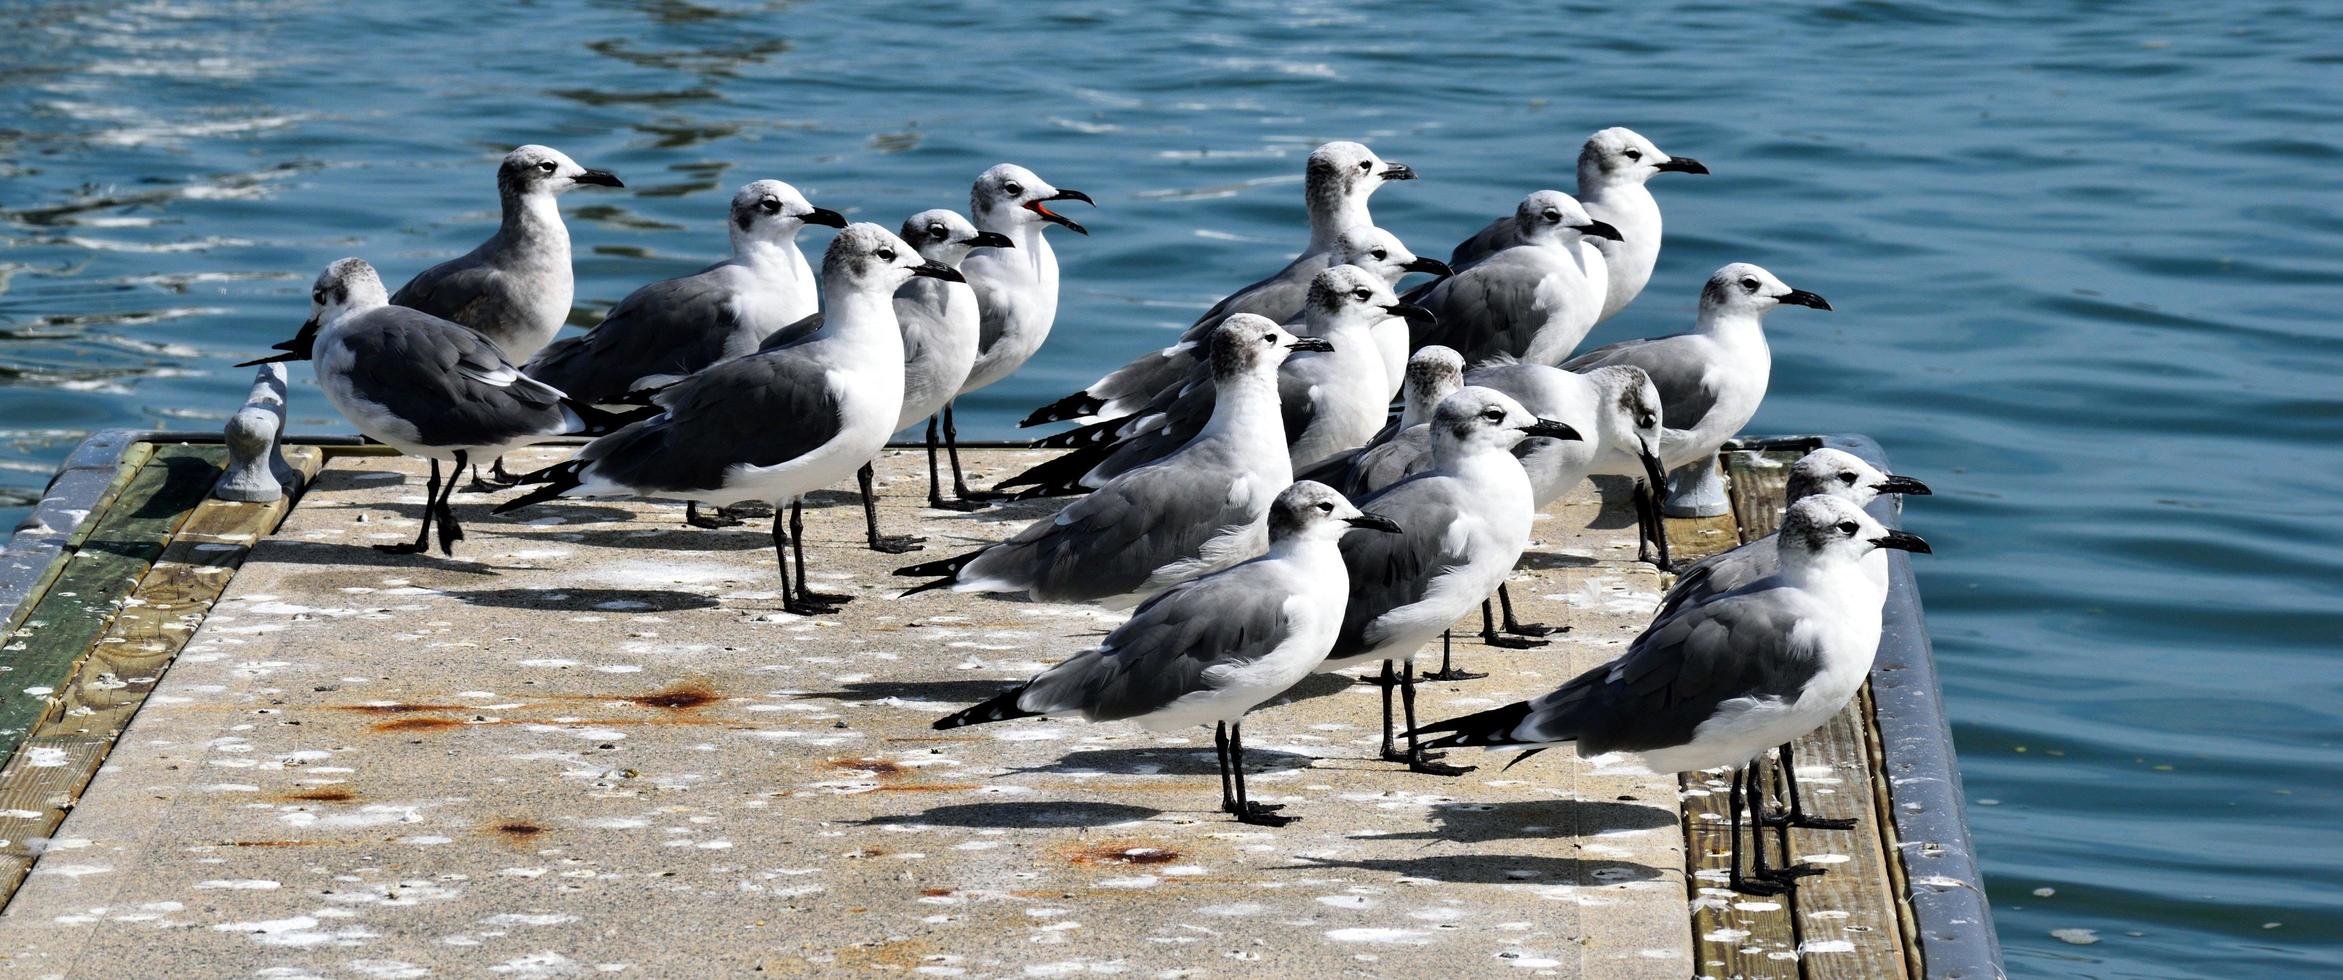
{"type": "Point", "coordinates": [2085, 256]}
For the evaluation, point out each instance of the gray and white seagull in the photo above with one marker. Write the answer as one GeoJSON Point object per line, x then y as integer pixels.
{"type": "Point", "coordinates": [777, 424]}
{"type": "Point", "coordinates": [1720, 680]}
{"type": "Point", "coordinates": [424, 386]}
{"type": "Point", "coordinates": [1199, 509]}
{"type": "Point", "coordinates": [1612, 168]}
{"type": "Point", "coordinates": [1210, 650]}
{"type": "Point", "coordinates": [1534, 300]}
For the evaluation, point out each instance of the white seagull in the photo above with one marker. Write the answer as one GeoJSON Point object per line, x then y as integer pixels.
{"type": "Point", "coordinates": [1612, 169]}
{"type": "Point", "coordinates": [1534, 300]}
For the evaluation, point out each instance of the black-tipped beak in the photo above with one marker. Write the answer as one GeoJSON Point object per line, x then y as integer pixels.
{"type": "Point", "coordinates": [1373, 523]}
{"type": "Point", "coordinates": [1655, 475]}
{"type": "Point", "coordinates": [297, 349]}
{"type": "Point", "coordinates": [1418, 318]}
{"type": "Point", "coordinates": [1800, 297]}
{"type": "Point", "coordinates": [1397, 171]}
{"type": "Point", "coordinates": [1599, 229]}
{"type": "Point", "coordinates": [1431, 265]}
{"type": "Point", "coordinates": [825, 217]}
{"type": "Point", "coordinates": [1902, 540]}
{"type": "Point", "coordinates": [1038, 207]}
{"type": "Point", "coordinates": [938, 270]}
{"type": "Point", "coordinates": [989, 239]}
{"type": "Point", "coordinates": [1903, 485]}
{"type": "Point", "coordinates": [600, 178]}
{"type": "Point", "coordinates": [1682, 165]}
{"type": "Point", "coordinates": [1550, 429]}
{"type": "Point", "coordinates": [1318, 344]}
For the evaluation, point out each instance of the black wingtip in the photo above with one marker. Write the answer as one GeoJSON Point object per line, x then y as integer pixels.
{"type": "Point", "coordinates": [1080, 404]}
{"type": "Point", "coordinates": [1000, 707]}
{"type": "Point", "coordinates": [554, 480]}
{"type": "Point", "coordinates": [1482, 728]}
{"type": "Point", "coordinates": [949, 568]}
{"type": "Point", "coordinates": [597, 422]}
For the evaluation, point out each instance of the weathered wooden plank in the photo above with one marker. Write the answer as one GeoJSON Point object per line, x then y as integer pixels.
{"type": "Point", "coordinates": [30, 560]}
{"type": "Point", "coordinates": [1758, 489]}
{"type": "Point", "coordinates": [1733, 935]}
{"type": "Point", "coordinates": [116, 553]}
{"type": "Point", "coordinates": [43, 781]}
{"type": "Point", "coordinates": [1847, 921]}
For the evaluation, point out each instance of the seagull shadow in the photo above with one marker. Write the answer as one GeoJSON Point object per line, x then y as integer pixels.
{"type": "Point", "coordinates": [569, 514]}
{"type": "Point", "coordinates": [1168, 761]}
{"type": "Point", "coordinates": [286, 551]}
{"type": "Point", "coordinates": [678, 537]}
{"type": "Point", "coordinates": [1492, 869]}
{"type": "Point", "coordinates": [1546, 561]}
{"type": "Point", "coordinates": [586, 600]}
{"type": "Point", "coordinates": [1313, 686]}
{"type": "Point", "coordinates": [1022, 815]}
{"type": "Point", "coordinates": [1473, 823]}
{"type": "Point", "coordinates": [939, 692]}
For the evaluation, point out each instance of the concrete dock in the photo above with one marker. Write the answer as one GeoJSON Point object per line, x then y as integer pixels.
{"type": "Point", "coordinates": [590, 743]}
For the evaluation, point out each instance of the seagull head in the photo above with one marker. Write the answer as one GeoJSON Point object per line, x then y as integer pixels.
{"type": "Point", "coordinates": [1246, 345]}
{"type": "Point", "coordinates": [945, 238]}
{"type": "Point", "coordinates": [346, 286]}
{"type": "Point", "coordinates": [1345, 173]}
{"type": "Point", "coordinates": [1837, 473]}
{"type": "Point", "coordinates": [1746, 290]}
{"type": "Point", "coordinates": [1825, 530]}
{"type": "Point", "coordinates": [1622, 155]}
{"type": "Point", "coordinates": [865, 256]}
{"type": "Point", "coordinates": [1629, 418]}
{"type": "Point", "coordinates": [1009, 196]}
{"type": "Point", "coordinates": [534, 169]}
{"type": "Point", "coordinates": [1433, 373]}
{"type": "Point", "coordinates": [1345, 296]}
{"type": "Point", "coordinates": [1381, 253]}
{"type": "Point", "coordinates": [1477, 420]}
{"type": "Point", "coordinates": [1313, 511]}
{"type": "Point", "coordinates": [1552, 216]}
{"type": "Point", "coordinates": [773, 211]}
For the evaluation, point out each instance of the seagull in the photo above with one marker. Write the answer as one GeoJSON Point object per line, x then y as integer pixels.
{"type": "Point", "coordinates": [1612, 169]}
{"type": "Point", "coordinates": [1404, 447]}
{"type": "Point", "coordinates": [516, 287]}
{"type": "Point", "coordinates": [1534, 300]}
{"type": "Point", "coordinates": [1624, 410]}
{"type": "Point", "coordinates": [776, 424]}
{"type": "Point", "coordinates": [1721, 679]}
{"type": "Point", "coordinates": [1466, 521]}
{"type": "Point", "coordinates": [1017, 287]}
{"type": "Point", "coordinates": [1336, 183]}
{"type": "Point", "coordinates": [1210, 650]}
{"type": "Point", "coordinates": [664, 331]}
{"type": "Point", "coordinates": [1823, 472]}
{"type": "Point", "coordinates": [1197, 510]}
{"type": "Point", "coordinates": [424, 386]}
{"type": "Point", "coordinates": [1712, 379]}
{"type": "Point", "coordinates": [940, 328]}
{"type": "Point", "coordinates": [1333, 400]}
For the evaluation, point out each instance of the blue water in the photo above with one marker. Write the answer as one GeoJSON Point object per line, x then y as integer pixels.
{"type": "Point", "coordinates": [2086, 258]}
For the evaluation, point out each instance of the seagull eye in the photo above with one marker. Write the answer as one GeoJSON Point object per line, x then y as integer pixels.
{"type": "Point", "coordinates": [1362, 294]}
{"type": "Point", "coordinates": [887, 254]}
{"type": "Point", "coordinates": [1646, 420]}
{"type": "Point", "coordinates": [770, 205]}
{"type": "Point", "coordinates": [1749, 284]}
{"type": "Point", "coordinates": [1494, 414]}
{"type": "Point", "coordinates": [1326, 505]}
{"type": "Point", "coordinates": [1268, 338]}
{"type": "Point", "coordinates": [1847, 478]}
{"type": "Point", "coordinates": [1634, 154]}
{"type": "Point", "coordinates": [1849, 528]}
{"type": "Point", "coordinates": [937, 232]}
{"type": "Point", "coordinates": [549, 166]}
{"type": "Point", "coordinates": [1553, 215]}
{"type": "Point", "coordinates": [1380, 254]}
{"type": "Point", "coordinates": [317, 296]}
{"type": "Point", "coordinates": [1013, 188]}
{"type": "Point", "coordinates": [1366, 165]}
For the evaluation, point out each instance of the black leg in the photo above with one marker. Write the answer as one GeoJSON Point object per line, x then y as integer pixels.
{"type": "Point", "coordinates": [1417, 759]}
{"type": "Point", "coordinates": [1448, 670]}
{"type": "Point", "coordinates": [693, 517]}
{"type": "Point", "coordinates": [430, 511]}
{"type": "Point", "coordinates": [1228, 798]}
{"type": "Point", "coordinates": [498, 478]}
{"type": "Point", "coordinates": [888, 544]}
{"type": "Point", "coordinates": [793, 597]}
{"type": "Point", "coordinates": [935, 490]}
{"type": "Point", "coordinates": [451, 532]}
{"type": "Point", "coordinates": [805, 593]}
{"type": "Point", "coordinates": [1753, 883]}
{"type": "Point", "coordinates": [1247, 810]}
{"type": "Point", "coordinates": [1517, 627]}
{"type": "Point", "coordinates": [1655, 526]}
{"type": "Point", "coordinates": [1390, 682]}
{"type": "Point", "coordinates": [952, 449]}
{"type": "Point", "coordinates": [1796, 815]}
{"type": "Point", "coordinates": [1790, 871]}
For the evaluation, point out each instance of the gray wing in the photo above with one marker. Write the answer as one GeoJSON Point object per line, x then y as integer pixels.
{"type": "Point", "coordinates": [806, 326]}
{"type": "Point", "coordinates": [1495, 237]}
{"type": "Point", "coordinates": [667, 329]}
{"type": "Point", "coordinates": [452, 384]}
{"type": "Point", "coordinates": [464, 289]}
{"type": "Point", "coordinates": [761, 410]}
{"type": "Point", "coordinates": [1162, 652]}
{"type": "Point", "coordinates": [1174, 419]}
{"type": "Point", "coordinates": [1114, 540]}
{"type": "Point", "coordinates": [1481, 313]}
{"type": "Point", "coordinates": [1388, 570]}
{"type": "Point", "coordinates": [1682, 379]}
{"type": "Point", "coordinates": [1277, 297]}
{"type": "Point", "coordinates": [1741, 644]}
{"type": "Point", "coordinates": [1721, 573]}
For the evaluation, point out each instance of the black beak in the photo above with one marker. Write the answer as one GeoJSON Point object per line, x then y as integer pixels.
{"type": "Point", "coordinates": [989, 239]}
{"type": "Point", "coordinates": [1653, 472]}
{"type": "Point", "coordinates": [1903, 485]}
{"type": "Point", "coordinates": [1037, 207]}
{"type": "Point", "coordinates": [297, 349]}
{"type": "Point", "coordinates": [1600, 229]}
{"type": "Point", "coordinates": [1431, 265]}
{"type": "Point", "coordinates": [938, 270]}
{"type": "Point", "coordinates": [1800, 297]}
{"type": "Point", "coordinates": [1397, 171]}
{"type": "Point", "coordinates": [1902, 540]}
{"type": "Point", "coordinates": [600, 178]}
{"type": "Point", "coordinates": [1418, 318]}
{"type": "Point", "coordinates": [1682, 165]}
{"type": "Point", "coordinates": [1319, 344]}
{"type": "Point", "coordinates": [1550, 429]}
{"type": "Point", "coordinates": [1372, 523]}
{"type": "Point", "coordinates": [826, 217]}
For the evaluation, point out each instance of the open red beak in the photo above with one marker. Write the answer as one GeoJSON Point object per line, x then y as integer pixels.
{"type": "Point", "coordinates": [1041, 207]}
